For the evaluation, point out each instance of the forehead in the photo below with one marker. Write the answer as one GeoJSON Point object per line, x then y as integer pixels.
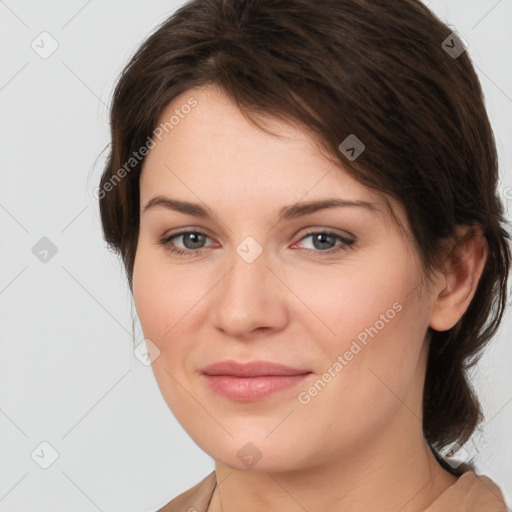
{"type": "Point", "coordinates": [213, 153]}
{"type": "Point", "coordinates": [216, 139]}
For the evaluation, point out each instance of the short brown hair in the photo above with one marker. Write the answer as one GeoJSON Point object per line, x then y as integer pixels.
{"type": "Point", "coordinates": [374, 68]}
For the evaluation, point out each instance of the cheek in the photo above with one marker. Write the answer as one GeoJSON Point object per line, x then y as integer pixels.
{"type": "Point", "coordinates": [371, 363]}
{"type": "Point", "coordinates": [370, 322]}
{"type": "Point", "coordinates": [158, 295]}
{"type": "Point", "coordinates": [363, 298]}
{"type": "Point", "coordinates": [169, 300]}
{"type": "Point", "coordinates": [163, 297]}
{"type": "Point", "coordinates": [147, 297]}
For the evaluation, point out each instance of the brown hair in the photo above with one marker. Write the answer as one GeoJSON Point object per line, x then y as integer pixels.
{"type": "Point", "coordinates": [374, 68]}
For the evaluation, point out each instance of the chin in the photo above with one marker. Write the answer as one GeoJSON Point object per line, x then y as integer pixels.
{"type": "Point", "coordinates": [249, 450]}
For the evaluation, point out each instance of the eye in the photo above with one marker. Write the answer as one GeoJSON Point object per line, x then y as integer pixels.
{"type": "Point", "coordinates": [324, 242]}
{"type": "Point", "coordinates": [193, 242]}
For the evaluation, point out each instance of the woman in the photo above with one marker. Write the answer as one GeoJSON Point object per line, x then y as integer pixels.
{"type": "Point", "coordinates": [304, 198]}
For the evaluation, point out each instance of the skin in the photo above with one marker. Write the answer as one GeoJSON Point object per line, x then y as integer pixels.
{"type": "Point", "coordinates": [357, 444]}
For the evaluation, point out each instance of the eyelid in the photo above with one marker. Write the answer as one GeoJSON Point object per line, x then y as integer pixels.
{"type": "Point", "coordinates": [183, 231]}
{"type": "Point", "coordinates": [327, 230]}
{"type": "Point", "coordinates": [345, 240]}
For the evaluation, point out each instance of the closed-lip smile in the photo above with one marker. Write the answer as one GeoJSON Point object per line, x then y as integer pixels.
{"type": "Point", "coordinates": [251, 381]}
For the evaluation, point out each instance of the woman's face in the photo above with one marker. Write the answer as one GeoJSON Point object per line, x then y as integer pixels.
{"type": "Point", "coordinates": [335, 292]}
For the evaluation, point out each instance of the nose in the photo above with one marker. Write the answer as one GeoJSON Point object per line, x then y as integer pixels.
{"type": "Point", "coordinates": [249, 298]}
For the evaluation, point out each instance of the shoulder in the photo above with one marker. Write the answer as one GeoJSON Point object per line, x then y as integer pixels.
{"type": "Point", "coordinates": [195, 499]}
{"type": "Point", "coordinates": [471, 493]}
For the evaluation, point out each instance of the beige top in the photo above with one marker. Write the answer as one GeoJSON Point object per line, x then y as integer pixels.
{"type": "Point", "coordinates": [471, 493]}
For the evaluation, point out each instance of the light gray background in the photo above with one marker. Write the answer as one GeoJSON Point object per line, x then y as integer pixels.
{"type": "Point", "coordinates": [67, 372]}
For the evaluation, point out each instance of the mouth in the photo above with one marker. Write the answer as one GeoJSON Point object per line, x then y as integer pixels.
{"type": "Point", "coordinates": [251, 381]}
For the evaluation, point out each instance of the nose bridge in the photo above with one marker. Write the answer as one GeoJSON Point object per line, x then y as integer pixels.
{"type": "Point", "coordinates": [246, 299]}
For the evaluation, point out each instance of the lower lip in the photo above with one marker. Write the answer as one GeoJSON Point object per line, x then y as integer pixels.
{"type": "Point", "coordinates": [252, 388]}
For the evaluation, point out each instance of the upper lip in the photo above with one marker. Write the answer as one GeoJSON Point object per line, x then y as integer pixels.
{"type": "Point", "coordinates": [250, 369]}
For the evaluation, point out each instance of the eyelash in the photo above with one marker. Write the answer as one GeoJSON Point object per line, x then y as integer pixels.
{"type": "Point", "coordinates": [345, 245]}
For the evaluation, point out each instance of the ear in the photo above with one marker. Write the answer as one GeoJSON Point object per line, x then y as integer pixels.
{"type": "Point", "coordinates": [457, 283]}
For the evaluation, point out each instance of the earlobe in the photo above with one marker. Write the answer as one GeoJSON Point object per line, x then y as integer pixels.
{"type": "Point", "coordinates": [458, 280]}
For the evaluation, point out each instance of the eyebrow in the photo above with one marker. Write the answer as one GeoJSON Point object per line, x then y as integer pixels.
{"type": "Point", "coordinates": [285, 213]}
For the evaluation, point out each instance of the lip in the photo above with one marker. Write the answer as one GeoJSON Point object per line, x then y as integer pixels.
{"type": "Point", "coordinates": [251, 369]}
{"type": "Point", "coordinates": [251, 381]}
